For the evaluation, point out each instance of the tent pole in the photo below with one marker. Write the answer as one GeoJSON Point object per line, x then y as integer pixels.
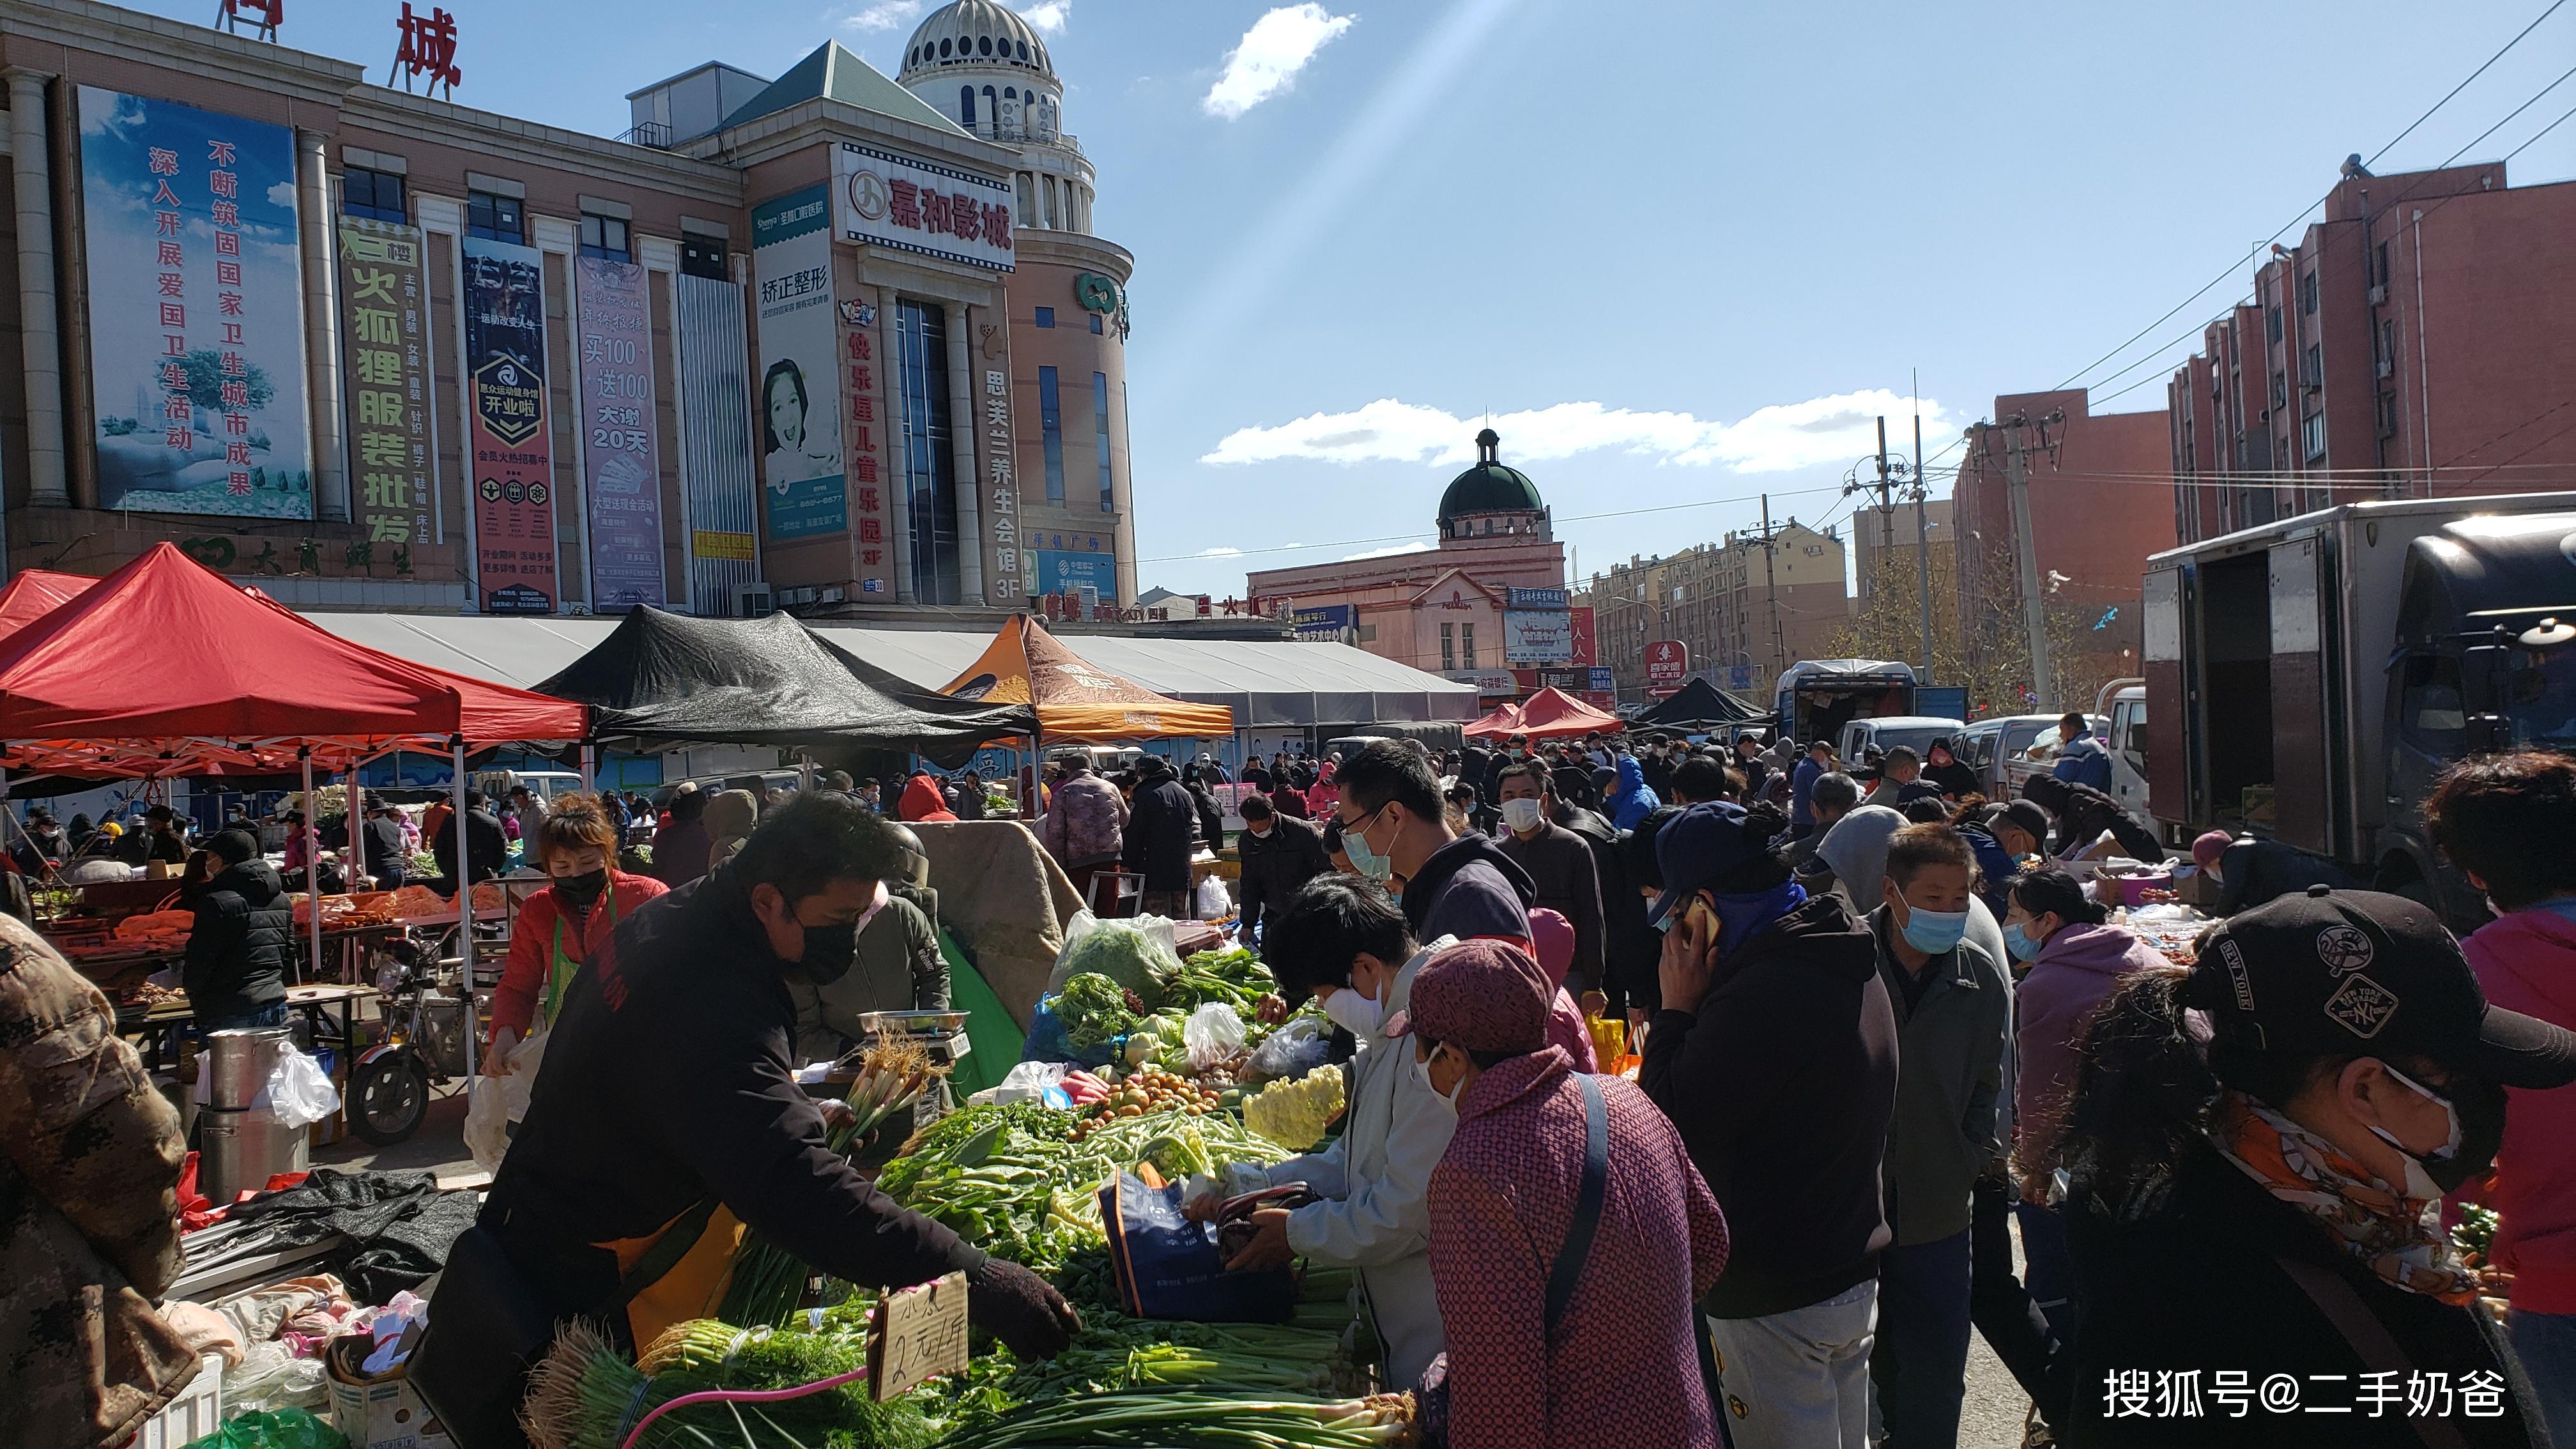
{"type": "Point", "coordinates": [1037, 775]}
{"type": "Point", "coordinates": [357, 831]}
{"type": "Point", "coordinates": [465, 906]}
{"type": "Point", "coordinates": [804, 771]}
{"type": "Point", "coordinates": [312, 861]}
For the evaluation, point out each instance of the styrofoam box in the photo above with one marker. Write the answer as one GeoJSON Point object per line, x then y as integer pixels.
{"type": "Point", "coordinates": [197, 1412]}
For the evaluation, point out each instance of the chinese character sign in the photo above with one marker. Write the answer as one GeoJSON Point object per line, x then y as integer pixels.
{"type": "Point", "coordinates": [1584, 645]}
{"type": "Point", "coordinates": [1006, 560]}
{"type": "Point", "coordinates": [1667, 660]}
{"type": "Point", "coordinates": [917, 206]}
{"type": "Point", "coordinates": [511, 450]}
{"type": "Point", "coordinates": [427, 48]}
{"type": "Point", "coordinates": [621, 454]}
{"type": "Point", "coordinates": [1538, 636]}
{"type": "Point", "coordinates": [866, 439]}
{"type": "Point", "coordinates": [384, 305]}
{"type": "Point", "coordinates": [196, 314]}
{"type": "Point", "coordinates": [797, 412]}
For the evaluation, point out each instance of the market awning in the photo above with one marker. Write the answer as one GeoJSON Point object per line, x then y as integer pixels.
{"type": "Point", "coordinates": [663, 679]}
{"type": "Point", "coordinates": [1552, 714]}
{"type": "Point", "coordinates": [1076, 699]}
{"type": "Point", "coordinates": [34, 593]}
{"type": "Point", "coordinates": [165, 668]}
{"type": "Point", "coordinates": [1699, 705]}
{"type": "Point", "coordinates": [1502, 723]}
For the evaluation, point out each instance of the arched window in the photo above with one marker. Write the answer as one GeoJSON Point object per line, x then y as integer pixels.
{"type": "Point", "coordinates": [984, 43]}
{"type": "Point", "coordinates": [1010, 93]}
{"type": "Point", "coordinates": [966, 107]}
{"type": "Point", "coordinates": [943, 50]}
{"type": "Point", "coordinates": [995, 107]}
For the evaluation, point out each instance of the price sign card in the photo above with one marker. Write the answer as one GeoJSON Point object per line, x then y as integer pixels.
{"type": "Point", "coordinates": [920, 1334]}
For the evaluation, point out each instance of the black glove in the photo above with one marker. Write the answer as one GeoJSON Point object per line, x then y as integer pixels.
{"type": "Point", "coordinates": [1021, 1309]}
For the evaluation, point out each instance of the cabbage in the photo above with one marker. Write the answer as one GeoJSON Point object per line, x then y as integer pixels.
{"type": "Point", "coordinates": [1125, 953]}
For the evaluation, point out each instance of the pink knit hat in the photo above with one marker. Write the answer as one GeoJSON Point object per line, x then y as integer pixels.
{"type": "Point", "coordinates": [2206, 849]}
{"type": "Point", "coordinates": [1479, 996]}
{"type": "Point", "coordinates": [1553, 935]}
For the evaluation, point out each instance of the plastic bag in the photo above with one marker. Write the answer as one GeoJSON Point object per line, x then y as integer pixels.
{"type": "Point", "coordinates": [1214, 1033]}
{"type": "Point", "coordinates": [1291, 1052]}
{"type": "Point", "coordinates": [1026, 1082]}
{"type": "Point", "coordinates": [299, 1091]}
{"type": "Point", "coordinates": [1081, 924]}
{"type": "Point", "coordinates": [487, 1121]}
{"type": "Point", "coordinates": [1212, 903]}
{"type": "Point", "coordinates": [525, 1058]}
{"type": "Point", "coordinates": [269, 1377]}
{"type": "Point", "coordinates": [283, 1429]}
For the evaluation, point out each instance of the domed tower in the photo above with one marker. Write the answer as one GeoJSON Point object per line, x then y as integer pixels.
{"type": "Point", "coordinates": [1492, 500]}
{"type": "Point", "coordinates": [984, 67]}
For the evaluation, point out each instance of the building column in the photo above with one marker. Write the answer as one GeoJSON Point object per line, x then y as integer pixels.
{"type": "Point", "coordinates": [33, 176]}
{"type": "Point", "coordinates": [970, 484]}
{"type": "Point", "coordinates": [1122, 532]}
{"type": "Point", "coordinates": [322, 329]}
{"type": "Point", "coordinates": [898, 425]}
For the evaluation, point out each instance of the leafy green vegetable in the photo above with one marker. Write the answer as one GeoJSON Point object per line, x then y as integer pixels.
{"type": "Point", "coordinates": [1094, 1010]}
{"type": "Point", "coordinates": [1125, 953]}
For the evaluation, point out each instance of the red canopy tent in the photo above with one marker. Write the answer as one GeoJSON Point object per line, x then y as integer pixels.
{"type": "Point", "coordinates": [1502, 723]}
{"type": "Point", "coordinates": [35, 593]}
{"type": "Point", "coordinates": [165, 668]}
{"type": "Point", "coordinates": [1552, 713]}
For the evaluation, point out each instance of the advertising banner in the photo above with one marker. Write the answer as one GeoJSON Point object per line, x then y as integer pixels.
{"type": "Point", "coordinates": [715, 432]}
{"type": "Point", "coordinates": [1003, 555]}
{"type": "Point", "coordinates": [1538, 636]}
{"type": "Point", "coordinates": [512, 449]}
{"type": "Point", "coordinates": [1586, 651]}
{"type": "Point", "coordinates": [1327, 624]}
{"type": "Point", "coordinates": [1490, 683]}
{"type": "Point", "coordinates": [800, 397]}
{"type": "Point", "coordinates": [1534, 598]}
{"type": "Point", "coordinates": [863, 436]}
{"type": "Point", "coordinates": [1602, 682]}
{"type": "Point", "coordinates": [621, 449]}
{"type": "Point", "coordinates": [1060, 572]}
{"type": "Point", "coordinates": [919, 206]}
{"type": "Point", "coordinates": [196, 318]}
{"type": "Point", "coordinates": [1667, 660]}
{"type": "Point", "coordinates": [383, 307]}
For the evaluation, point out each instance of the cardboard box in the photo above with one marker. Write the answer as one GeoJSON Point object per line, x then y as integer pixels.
{"type": "Point", "coordinates": [379, 1412]}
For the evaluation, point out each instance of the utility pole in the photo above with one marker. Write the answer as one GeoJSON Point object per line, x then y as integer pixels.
{"type": "Point", "coordinates": [1923, 542]}
{"type": "Point", "coordinates": [1771, 581]}
{"type": "Point", "coordinates": [1886, 510]}
{"type": "Point", "coordinates": [2034, 609]}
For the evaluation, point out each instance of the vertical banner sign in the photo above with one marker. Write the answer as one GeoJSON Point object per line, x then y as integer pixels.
{"type": "Point", "coordinates": [383, 303]}
{"type": "Point", "coordinates": [715, 399]}
{"type": "Point", "coordinates": [799, 408]}
{"type": "Point", "coordinates": [862, 436]}
{"type": "Point", "coordinates": [1002, 497]}
{"type": "Point", "coordinates": [622, 456]}
{"type": "Point", "coordinates": [512, 451]}
{"type": "Point", "coordinates": [196, 314]}
{"type": "Point", "coordinates": [1585, 650]}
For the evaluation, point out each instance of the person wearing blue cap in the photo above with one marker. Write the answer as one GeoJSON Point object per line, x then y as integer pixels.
{"type": "Point", "coordinates": [1774, 1053]}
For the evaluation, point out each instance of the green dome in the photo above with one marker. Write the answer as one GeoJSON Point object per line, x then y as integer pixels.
{"type": "Point", "coordinates": [1489, 487]}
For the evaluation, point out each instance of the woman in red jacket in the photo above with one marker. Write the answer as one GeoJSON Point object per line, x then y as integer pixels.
{"type": "Point", "coordinates": [561, 926]}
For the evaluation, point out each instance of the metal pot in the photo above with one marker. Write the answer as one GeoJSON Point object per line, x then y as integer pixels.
{"type": "Point", "coordinates": [239, 1151]}
{"type": "Point", "coordinates": [239, 1062]}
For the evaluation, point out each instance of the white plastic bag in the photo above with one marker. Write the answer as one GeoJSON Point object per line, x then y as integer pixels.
{"type": "Point", "coordinates": [487, 1121]}
{"type": "Point", "coordinates": [1213, 904]}
{"type": "Point", "coordinates": [1214, 1033]}
{"type": "Point", "coordinates": [299, 1091]}
{"type": "Point", "coordinates": [525, 1058]}
{"type": "Point", "coordinates": [1081, 924]}
{"type": "Point", "coordinates": [1292, 1051]}
{"type": "Point", "coordinates": [1025, 1082]}
{"type": "Point", "coordinates": [271, 1377]}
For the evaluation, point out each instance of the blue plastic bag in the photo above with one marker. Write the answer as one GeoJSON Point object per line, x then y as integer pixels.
{"type": "Point", "coordinates": [1047, 1041]}
{"type": "Point", "coordinates": [1168, 1266]}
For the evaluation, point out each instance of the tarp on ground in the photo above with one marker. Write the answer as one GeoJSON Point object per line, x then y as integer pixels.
{"type": "Point", "coordinates": [1553, 714]}
{"type": "Point", "coordinates": [662, 679]}
{"type": "Point", "coordinates": [34, 593]}
{"type": "Point", "coordinates": [1077, 700]}
{"type": "Point", "coordinates": [166, 668]}
{"type": "Point", "coordinates": [1502, 723]}
{"type": "Point", "coordinates": [1699, 705]}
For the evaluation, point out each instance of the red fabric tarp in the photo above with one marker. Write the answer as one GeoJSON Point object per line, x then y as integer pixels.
{"type": "Point", "coordinates": [1552, 713]}
{"type": "Point", "coordinates": [165, 668]}
{"type": "Point", "coordinates": [34, 593]}
{"type": "Point", "coordinates": [1503, 723]}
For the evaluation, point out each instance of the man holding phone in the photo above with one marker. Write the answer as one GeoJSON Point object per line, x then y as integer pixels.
{"type": "Point", "coordinates": [1774, 1054]}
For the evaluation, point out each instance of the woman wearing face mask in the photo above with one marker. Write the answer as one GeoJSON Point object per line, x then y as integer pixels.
{"type": "Point", "coordinates": [1340, 939]}
{"type": "Point", "coordinates": [562, 926]}
{"type": "Point", "coordinates": [2256, 1147]}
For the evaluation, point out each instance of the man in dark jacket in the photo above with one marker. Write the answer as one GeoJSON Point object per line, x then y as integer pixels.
{"type": "Point", "coordinates": [484, 843]}
{"type": "Point", "coordinates": [1279, 855]}
{"type": "Point", "coordinates": [163, 838]}
{"type": "Point", "coordinates": [2083, 813]}
{"type": "Point", "coordinates": [1162, 825]}
{"type": "Point", "coordinates": [1775, 1055]}
{"type": "Point", "coordinates": [1560, 868]}
{"type": "Point", "coordinates": [388, 855]}
{"type": "Point", "coordinates": [667, 1086]}
{"type": "Point", "coordinates": [1394, 825]}
{"type": "Point", "coordinates": [235, 970]}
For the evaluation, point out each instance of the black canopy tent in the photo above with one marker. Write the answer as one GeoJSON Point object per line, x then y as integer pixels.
{"type": "Point", "coordinates": [662, 679]}
{"type": "Point", "coordinates": [1699, 705]}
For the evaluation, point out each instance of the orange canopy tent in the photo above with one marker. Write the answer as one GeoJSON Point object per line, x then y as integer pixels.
{"type": "Point", "coordinates": [1077, 701]}
{"type": "Point", "coordinates": [1502, 723]}
{"type": "Point", "coordinates": [1552, 714]}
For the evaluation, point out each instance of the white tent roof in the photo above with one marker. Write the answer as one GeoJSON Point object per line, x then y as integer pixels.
{"type": "Point", "coordinates": [1266, 684]}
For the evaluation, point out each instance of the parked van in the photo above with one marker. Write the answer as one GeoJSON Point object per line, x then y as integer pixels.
{"type": "Point", "coordinates": [496, 785]}
{"type": "Point", "coordinates": [1886, 732]}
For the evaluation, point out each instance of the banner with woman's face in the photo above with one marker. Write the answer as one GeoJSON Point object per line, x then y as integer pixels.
{"type": "Point", "coordinates": [797, 409]}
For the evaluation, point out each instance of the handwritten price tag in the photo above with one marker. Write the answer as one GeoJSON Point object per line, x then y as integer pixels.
{"type": "Point", "coordinates": [920, 1334]}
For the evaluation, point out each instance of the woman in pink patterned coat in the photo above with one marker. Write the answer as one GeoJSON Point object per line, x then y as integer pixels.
{"type": "Point", "coordinates": [1618, 1363]}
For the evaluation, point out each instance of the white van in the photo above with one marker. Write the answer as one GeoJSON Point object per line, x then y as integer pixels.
{"type": "Point", "coordinates": [496, 785]}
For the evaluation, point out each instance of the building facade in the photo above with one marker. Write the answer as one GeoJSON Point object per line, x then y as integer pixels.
{"type": "Point", "coordinates": [1717, 600]}
{"type": "Point", "coordinates": [1488, 603]}
{"type": "Point", "coordinates": [826, 341]}
{"type": "Point", "coordinates": [1883, 543]}
{"type": "Point", "coordinates": [2413, 344]}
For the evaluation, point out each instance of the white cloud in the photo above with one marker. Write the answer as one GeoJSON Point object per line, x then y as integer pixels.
{"type": "Point", "coordinates": [1046, 15]}
{"type": "Point", "coordinates": [282, 194]}
{"type": "Point", "coordinates": [883, 15]}
{"type": "Point", "coordinates": [1832, 429]}
{"type": "Point", "coordinates": [1390, 551]}
{"type": "Point", "coordinates": [1220, 552]}
{"type": "Point", "coordinates": [1278, 45]}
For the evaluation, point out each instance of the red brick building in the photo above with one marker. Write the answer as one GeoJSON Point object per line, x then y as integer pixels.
{"type": "Point", "coordinates": [2416, 342]}
{"type": "Point", "coordinates": [2098, 507]}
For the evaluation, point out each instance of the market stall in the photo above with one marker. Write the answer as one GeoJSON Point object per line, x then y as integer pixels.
{"type": "Point", "coordinates": [1500, 723]}
{"type": "Point", "coordinates": [1076, 700]}
{"type": "Point", "coordinates": [1699, 705]}
{"type": "Point", "coordinates": [1554, 714]}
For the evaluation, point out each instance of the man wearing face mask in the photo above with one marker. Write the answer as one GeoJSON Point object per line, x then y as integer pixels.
{"type": "Point", "coordinates": [1953, 1004]}
{"type": "Point", "coordinates": [1279, 855]}
{"type": "Point", "coordinates": [1561, 869]}
{"type": "Point", "coordinates": [1346, 943]}
{"type": "Point", "coordinates": [666, 1118]}
{"type": "Point", "coordinates": [1394, 824]}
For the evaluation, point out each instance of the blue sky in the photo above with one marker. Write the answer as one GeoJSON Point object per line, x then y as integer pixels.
{"type": "Point", "coordinates": [1681, 251]}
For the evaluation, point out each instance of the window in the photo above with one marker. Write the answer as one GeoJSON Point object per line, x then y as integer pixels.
{"type": "Point", "coordinates": [2312, 366]}
{"type": "Point", "coordinates": [376, 195]}
{"type": "Point", "coordinates": [2280, 390]}
{"type": "Point", "coordinates": [2379, 265]}
{"type": "Point", "coordinates": [1100, 434]}
{"type": "Point", "coordinates": [995, 107]}
{"type": "Point", "coordinates": [1095, 324]}
{"type": "Point", "coordinates": [1051, 429]}
{"type": "Point", "coordinates": [704, 256]}
{"type": "Point", "coordinates": [1448, 646]}
{"type": "Point", "coordinates": [2429, 713]}
{"type": "Point", "coordinates": [2388, 345]}
{"type": "Point", "coordinates": [2271, 324]}
{"type": "Point", "coordinates": [1467, 646]}
{"type": "Point", "coordinates": [605, 236]}
{"type": "Point", "coordinates": [1368, 633]}
{"type": "Point", "coordinates": [929, 467]}
{"type": "Point", "coordinates": [2308, 294]}
{"type": "Point", "coordinates": [966, 106]}
{"type": "Point", "coordinates": [2388, 415]}
{"type": "Point", "coordinates": [2312, 435]}
{"type": "Point", "coordinates": [1046, 316]}
{"type": "Point", "coordinates": [494, 217]}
